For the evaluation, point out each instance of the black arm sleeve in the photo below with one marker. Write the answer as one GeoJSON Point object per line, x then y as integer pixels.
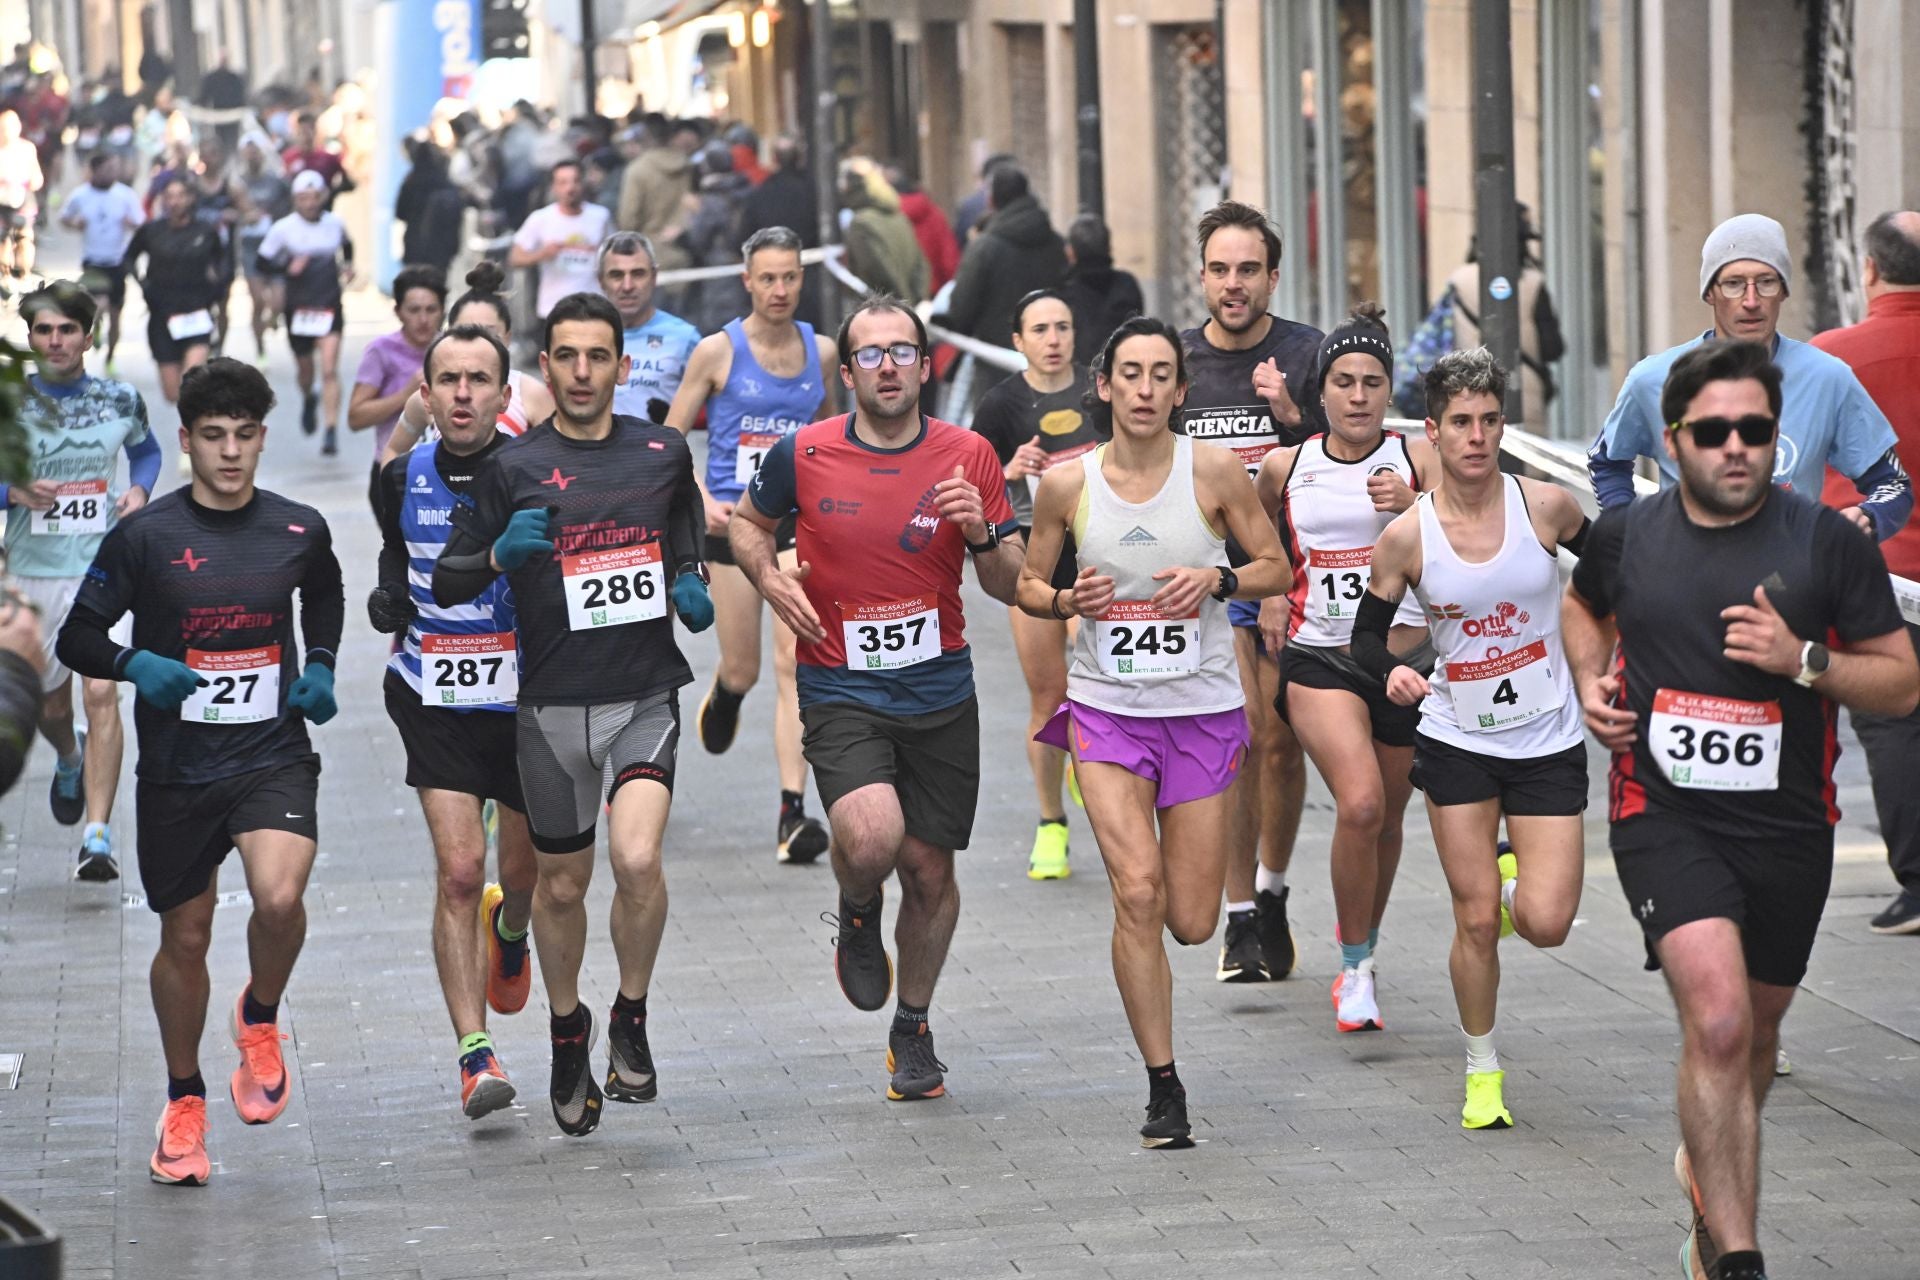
{"type": "Point", "coordinates": [105, 595]}
{"type": "Point", "coordinates": [687, 522]}
{"type": "Point", "coordinates": [465, 567]}
{"type": "Point", "coordinates": [1369, 645]}
{"type": "Point", "coordinates": [1578, 542]}
{"type": "Point", "coordinates": [85, 646]}
{"type": "Point", "coordinates": [323, 602]}
{"type": "Point", "coordinates": [392, 574]}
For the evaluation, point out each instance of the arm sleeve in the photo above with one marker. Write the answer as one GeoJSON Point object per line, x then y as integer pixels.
{"type": "Point", "coordinates": [1627, 435]}
{"type": "Point", "coordinates": [1599, 565]}
{"type": "Point", "coordinates": [465, 567]}
{"type": "Point", "coordinates": [135, 247]}
{"type": "Point", "coordinates": [1372, 623]}
{"type": "Point", "coordinates": [686, 519]}
{"type": "Point", "coordinates": [776, 486]}
{"type": "Point", "coordinates": [1612, 478]}
{"type": "Point", "coordinates": [105, 595]}
{"type": "Point", "coordinates": [1888, 491]}
{"type": "Point", "coordinates": [392, 571]}
{"type": "Point", "coordinates": [323, 601]}
{"type": "Point", "coordinates": [143, 459]}
{"type": "Point", "coordinates": [1861, 604]}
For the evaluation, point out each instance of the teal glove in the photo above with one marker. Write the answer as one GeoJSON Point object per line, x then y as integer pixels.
{"type": "Point", "coordinates": [164, 682]}
{"type": "Point", "coordinates": [691, 601]}
{"type": "Point", "coordinates": [526, 534]}
{"type": "Point", "coordinates": [312, 694]}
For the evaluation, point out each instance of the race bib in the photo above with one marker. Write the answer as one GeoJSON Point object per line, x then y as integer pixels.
{"type": "Point", "coordinates": [468, 671]}
{"type": "Point", "coordinates": [1073, 454]}
{"type": "Point", "coordinates": [1504, 691]}
{"type": "Point", "coordinates": [577, 260]}
{"type": "Point", "coordinates": [194, 324]}
{"type": "Point", "coordinates": [1133, 639]}
{"type": "Point", "coordinates": [243, 686]}
{"type": "Point", "coordinates": [1706, 743]}
{"type": "Point", "coordinates": [613, 588]}
{"type": "Point", "coordinates": [1337, 581]}
{"type": "Point", "coordinates": [79, 506]}
{"type": "Point", "coordinates": [87, 139]}
{"type": "Point", "coordinates": [753, 448]}
{"type": "Point", "coordinates": [121, 135]}
{"type": "Point", "coordinates": [310, 322]}
{"type": "Point", "coordinates": [898, 633]}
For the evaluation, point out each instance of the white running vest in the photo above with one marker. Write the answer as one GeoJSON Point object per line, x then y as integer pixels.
{"type": "Point", "coordinates": [1131, 660]}
{"type": "Point", "coordinates": [1331, 527]}
{"type": "Point", "coordinates": [1500, 680]}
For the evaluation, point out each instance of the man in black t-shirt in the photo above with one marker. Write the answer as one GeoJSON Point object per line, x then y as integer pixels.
{"type": "Point", "coordinates": [182, 282]}
{"type": "Point", "coordinates": [209, 573]}
{"type": "Point", "coordinates": [1723, 596]}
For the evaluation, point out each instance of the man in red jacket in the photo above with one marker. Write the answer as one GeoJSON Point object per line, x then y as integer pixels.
{"type": "Point", "coordinates": [1884, 352]}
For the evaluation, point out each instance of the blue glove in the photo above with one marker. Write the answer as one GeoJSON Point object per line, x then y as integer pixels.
{"type": "Point", "coordinates": [164, 682]}
{"type": "Point", "coordinates": [691, 601]}
{"type": "Point", "coordinates": [526, 534]}
{"type": "Point", "coordinates": [312, 693]}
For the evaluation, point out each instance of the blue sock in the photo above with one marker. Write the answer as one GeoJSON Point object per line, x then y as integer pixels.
{"type": "Point", "coordinates": [192, 1086]}
{"type": "Point", "coordinates": [1352, 953]}
{"type": "Point", "coordinates": [1373, 940]}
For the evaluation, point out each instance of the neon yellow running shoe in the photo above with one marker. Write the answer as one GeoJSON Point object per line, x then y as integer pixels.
{"type": "Point", "coordinates": [1484, 1109]}
{"type": "Point", "coordinates": [1509, 871]}
{"type": "Point", "coordinates": [1073, 785]}
{"type": "Point", "coordinates": [1048, 861]}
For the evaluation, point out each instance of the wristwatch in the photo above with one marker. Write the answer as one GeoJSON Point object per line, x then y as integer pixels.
{"type": "Point", "coordinates": [1229, 583]}
{"type": "Point", "coordinates": [1815, 658]}
{"type": "Point", "coordinates": [981, 548]}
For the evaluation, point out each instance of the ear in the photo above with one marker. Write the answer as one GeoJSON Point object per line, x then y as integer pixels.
{"type": "Point", "coordinates": [1668, 438]}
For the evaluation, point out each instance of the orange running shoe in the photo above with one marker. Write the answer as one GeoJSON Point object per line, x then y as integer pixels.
{"type": "Point", "coordinates": [484, 1086]}
{"type": "Point", "coordinates": [180, 1156]}
{"type": "Point", "coordinates": [259, 1084]}
{"type": "Point", "coordinates": [509, 976]}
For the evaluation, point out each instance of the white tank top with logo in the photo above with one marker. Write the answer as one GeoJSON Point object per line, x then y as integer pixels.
{"type": "Point", "coordinates": [1330, 526]}
{"type": "Point", "coordinates": [1132, 660]}
{"type": "Point", "coordinates": [1500, 681]}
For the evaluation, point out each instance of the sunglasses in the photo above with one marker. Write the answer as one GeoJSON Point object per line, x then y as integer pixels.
{"type": "Point", "coordinates": [1755, 430]}
{"type": "Point", "coordinates": [905, 356]}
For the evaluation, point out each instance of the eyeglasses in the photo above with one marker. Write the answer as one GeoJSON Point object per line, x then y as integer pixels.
{"type": "Point", "coordinates": [1734, 288]}
{"type": "Point", "coordinates": [1755, 430]}
{"type": "Point", "coordinates": [904, 354]}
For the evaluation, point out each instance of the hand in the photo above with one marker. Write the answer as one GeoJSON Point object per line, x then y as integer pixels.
{"type": "Point", "coordinates": [960, 505]}
{"type": "Point", "coordinates": [1271, 385]}
{"type": "Point", "coordinates": [38, 496]}
{"type": "Point", "coordinates": [1028, 460]}
{"type": "Point", "coordinates": [391, 612]}
{"type": "Point", "coordinates": [525, 537]}
{"type": "Point", "coordinates": [1389, 492]}
{"type": "Point", "coordinates": [1758, 636]}
{"type": "Point", "coordinates": [1611, 726]}
{"type": "Point", "coordinates": [131, 501]}
{"type": "Point", "coordinates": [298, 266]}
{"type": "Point", "coordinates": [691, 601]}
{"type": "Point", "coordinates": [20, 629]}
{"type": "Point", "coordinates": [1861, 520]}
{"type": "Point", "coordinates": [550, 251]}
{"type": "Point", "coordinates": [1184, 591]}
{"type": "Point", "coordinates": [783, 591]}
{"type": "Point", "coordinates": [1406, 687]}
{"type": "Point", "coordinates": [164, 682]}
{"type": "Point", "coordinates": [718, 514]}
{"type": "Point", "coordinates": [1274, 611]}
{"type": "Point", "coordinates": [1092, 592]}
{"type": "Point", "coordinates": [312, 694]}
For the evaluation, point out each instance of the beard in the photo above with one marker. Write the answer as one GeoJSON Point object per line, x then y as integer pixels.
{"type": "Point", "coordinates": [1726, 498]}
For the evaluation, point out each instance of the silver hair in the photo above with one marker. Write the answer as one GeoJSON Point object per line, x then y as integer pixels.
{"type": "Point", "coordinates": [770, 238]}
{"type": "Point", "coordinates": [624, 243]}
{"type": "Point", "coordinates": [1473, 371]}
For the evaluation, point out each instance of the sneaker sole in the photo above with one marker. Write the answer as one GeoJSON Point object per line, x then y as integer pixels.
{"type": "Point", "coordinates": [1498, 1122]}
{"type": "Point", "coordinates": [803, 846]}
{"type": "Point", "coordinates": [841, 979]}
{"type": "Point", "coordinates": [168, 1180]}
{"type": "Point", "coordinates": [1690, 1269]}
{"type": "Point", "coordinates": [1901, 930]}
{"type": "Point", "coordinates": [491, 1094]}
{"type": "Point", "coordinates": [1167, 1144]}
{"type": "Point", "coordinates": [620, 1091]}
{"type": "Point", "coordinates": [700, 725]}
{"type": "Point", "coordinates": [894, 1095]}
{"type": "Point", "coordinates": [1036, 874]}
{"type": "Point", "coordinates": [99, 869]}
{"type": "Point", "coordinates": [1371, 1024]}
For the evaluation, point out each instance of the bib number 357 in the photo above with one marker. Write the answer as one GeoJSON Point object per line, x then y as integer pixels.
{"type": "Point", "coordinates": [892, 634]}
{"type": "Point", "coordinates": [613, 588]}
{"type": "Point", "coordinates": [1707, 743]}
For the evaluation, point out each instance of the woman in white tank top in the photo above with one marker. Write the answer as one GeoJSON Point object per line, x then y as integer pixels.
{"type": "Point", "coordinates": [1154, 715]}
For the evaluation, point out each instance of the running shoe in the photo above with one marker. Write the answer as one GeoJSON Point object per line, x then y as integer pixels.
{"type": "Point", "coordinates": [1276, 935]}
{"type": "Point", "coordinates": [1782, 1064]}
{"type": "Point", "coordinates": [1484, 1108]}
{"type": "Point", "coordinates": [575, 1097]}
{"type": "Point", "coordinates": [1048, 861]}
{"type": "Point", "coordinates": [180, 1147]}
{"type": "Point", "coordinates": [719, 718]}
{"type": "Point", "coordinates": [860, 958]}
{"type": "Point", "coordinates": [1901, 916]}
{"type": "Point", "coordinates": [1699, 1255]}
{"type": "Point", "coordinates": [484, 1086]}
{"type": "Point", "coordinates": [1240, 958]}
{"type": "Point", "coordinates": [309, 413]}
{"type": "Point", "coordinates": [1073, 785]}
{"type": "Point", "coordinates": [802, 839]}
{"type": "Point", "coordinates": [329, 443]}
{"type": "Point", "coordinates": [1509, 872]}
{"type": "Point", "coordinates": [259, 1083]}
{"type": "Point", "coordinates": [1354, 1006]}
{"type": "Point", "coordinates": [630, 1074]}
{"type": "Point", "coordinates": [509, 976]}
{"type": "Point", "coordinates": [917, 1073]}
{"type": "Point", "coordinates": [96, 860]}
{"type": "Point", "coordinates": [1166, 1128]}
{"type": "Point", "coordinates": [67, 796]}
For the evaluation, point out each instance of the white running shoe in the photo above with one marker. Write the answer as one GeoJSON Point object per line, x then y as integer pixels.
{"type": "Point", "coordinates": [1354, 1007]}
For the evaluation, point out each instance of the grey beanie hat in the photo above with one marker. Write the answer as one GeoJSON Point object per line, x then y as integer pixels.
{"type": "Point", "coordinates": [1751, 236]}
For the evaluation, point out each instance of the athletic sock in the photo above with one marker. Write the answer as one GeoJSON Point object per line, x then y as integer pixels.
{"type": "Point", "coordinates": [192, 1086]}
{"type": "Point", "coordinates": [723, 694]}
{"type": "Point", "coordinates": [478, 1040]}
{"type": "Point", "coordinates": [93, 829]}
{"type": "Point", "coordinates": [1053, 822]}
{"type": "Point", "coordinates": [1352, 953]}
{"type": "Point", "coordinates": [253, 1013]}
{"type": "Point", "coordinates": [1265, 881]}
{"type": "Point", "coordinates": [560, 1026]}
{"type": "Point", "coordinates": [1744, 1265]}
{"type": "Point", "coordinates": [861, 909]}
{"type": "Point", "coordinates": [71, 764]}
{"type": "Point", "coordinates": [909, 1020]}
{"type": "Point", "coordinates": [1506, 893]}
{"type": "Point", "coordinates": [505, 934]}
{"type": "Point", "coordinates": [631, 1010]}
{"type": "Point", "coordinates": [1373, 941]}
{"type": "Point", "coordinates": [1235, 908]}
{"type": "Point", "coordinates": [792, 804]}
{"type": "Point", "coordinates": [1163, 1079]}
{"type": "Point", "coordinates": [1480, 1054]}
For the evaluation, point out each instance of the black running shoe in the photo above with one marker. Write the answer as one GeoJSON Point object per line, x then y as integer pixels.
{"type": "Point", "coordinates": [1276, 935]}
{"type": "Point", "coordinates": [1166, 1128]}
{"type": "Point", "coordinates": [575, 1097]}
{"type": "Point", "coordinates": [96, 865]}
{"type": "Point", "coordinates": [329, 444]}
{"type": "Point", "coordinates": [860, 958]}
{"type": "Point", "coordinates": [630, 1075]}
{"type": "Point", "coordinates": [802, 839]}
{"type": "Point", "coordinates": [309, 414]}
{"type": "Point", "coordinates": [1240, 959]}
{"type": "Point", "coordinates": [917, 1073]}
{"type": "Point", "coordinates": [719, 717]}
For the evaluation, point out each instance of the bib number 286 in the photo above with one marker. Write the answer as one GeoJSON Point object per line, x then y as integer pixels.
{"type": "Point", "coordinates": [613, 588]}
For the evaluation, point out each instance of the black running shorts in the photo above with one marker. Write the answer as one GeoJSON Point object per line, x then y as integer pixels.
{"type": "Point", "coordinates": [473, 752]}
{"type": "Point", "coordinates": [184, 832]}
{"type": "Point", "coordinates": [573, 760]}
{"type": "Point", "coordinates": [108, 278]}
{"type": "Point", "coordinates": [161, 343]}
{"type": "Point", "coordinates": [1775, 888]}
{"type": "Point", "coordinates": [1552, 786]}
{"type": "Point", "coordinates": [931, 761]}
{"type": "Point", "coordinates": [720, 550]}
{"type": "Point", "coordinates": [1316, 668]}
{"type": "Point", "coordinates": [302, 345]}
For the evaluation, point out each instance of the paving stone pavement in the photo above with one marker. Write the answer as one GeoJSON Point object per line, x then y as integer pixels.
{"type": "Point", "coordinates": [772, 1152]}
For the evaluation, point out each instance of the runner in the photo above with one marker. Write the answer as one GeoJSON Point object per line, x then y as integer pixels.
{"type": "Point", "coordinates": [485, 306]}
{"type": "Point", "coordinates": [583, 515]}
{"type": "Point", "coordinates": [389, 372]}
{"type": "Point", "coordinates": [106, 213]}
{"type": "Point", "coordinates": [1722, 730]}
{"type": "Point", "coordinates": [1499, 731]}
{"type": "Point", "coordinates": [1246, 366]}
{"type": "Point", "coordinates": [180, 283]}
{"type": "Point", "coordinates": [450, 692]}
{"type": "Point", "coordinates": [21, 182]}
{"type": "Point", "coordinates": [262, 197]}
{"type": "Point", "coordinates": [1036, 420]}
{"type": "Point", "coordinates": [886, 678]}
{"type": "Point", "coordinates": [75, 426]}
{"type": "Point", "coordinates": [1154, 698]}
{"type": "Point", "coordinates": [1332, 497]}
{"type": "Point", "coordinates": [659, 343]}
{"type": "Point", "coordinates": [760, 380]}
{"type": "Point", "coordinates": [311, 250]}
{"type": "Point", "coordinates": [224, 757]}
{"type": "Point", "coordinates": [213, 204]}
{"type": "Point", "coordinates": [560, 240]}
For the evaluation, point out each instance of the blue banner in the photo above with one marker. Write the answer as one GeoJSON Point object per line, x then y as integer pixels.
{"type": "Point", "coordinates": [428, 50]}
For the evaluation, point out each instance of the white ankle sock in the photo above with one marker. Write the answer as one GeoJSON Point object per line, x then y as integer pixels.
{"type": "Point", "coordinates": [1506, 892]}
{"type": "Point", "coordinates": [1265, 881]}
{"type": "Point", "coordinates": [1480, 1054]}
{"type": "Point", "coordinates": [1238, 906]}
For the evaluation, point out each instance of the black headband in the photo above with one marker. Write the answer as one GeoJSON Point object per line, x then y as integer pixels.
{"type": "Point", "coordinates": [1346, 341]}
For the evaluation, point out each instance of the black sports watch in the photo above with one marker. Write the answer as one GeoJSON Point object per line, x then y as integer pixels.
{"type": "Point", "coordinates": [1229, 583]}
{"type": "Point", "coordinates": [981, 548]}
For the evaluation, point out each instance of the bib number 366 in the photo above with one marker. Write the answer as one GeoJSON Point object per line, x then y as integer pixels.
{"type": "Point", "coordinates": [1706, 743]}
{"type": "Point", "coordinates": [613, 588]}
